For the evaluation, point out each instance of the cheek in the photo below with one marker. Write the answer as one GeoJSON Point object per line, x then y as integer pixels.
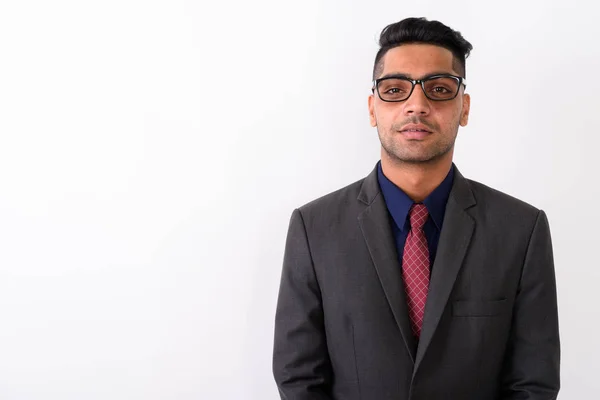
{"type": "Point", "coordinates": [387, 115]}
{"type": "Point", "coordinates": [453, 116]}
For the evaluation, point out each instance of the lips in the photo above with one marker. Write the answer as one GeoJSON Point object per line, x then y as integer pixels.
{"type": "Point", "coordinates": [415, 128]}
{"type": "Point", "coordinates": [415, 131]}
{"type": "Point", "coordinates": [415, 134]}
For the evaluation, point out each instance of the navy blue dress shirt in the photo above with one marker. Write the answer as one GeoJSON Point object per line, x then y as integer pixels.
{"type": "Point", "coordinates": [399, 204]}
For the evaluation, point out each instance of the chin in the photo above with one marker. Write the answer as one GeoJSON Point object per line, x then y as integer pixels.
{"type": "Point", "coordinates": [418, 158]}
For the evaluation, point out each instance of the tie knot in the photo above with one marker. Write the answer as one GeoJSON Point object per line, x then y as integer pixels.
{"type": "Point", "coordinates": [418, 216]}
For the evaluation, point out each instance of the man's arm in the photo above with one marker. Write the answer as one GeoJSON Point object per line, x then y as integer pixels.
{"type": "Point", "coordinates": [532, 363]}
{"type": "Point", "coordinates": [300, 359]}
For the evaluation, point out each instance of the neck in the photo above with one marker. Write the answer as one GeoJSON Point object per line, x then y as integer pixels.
{"type": "Point", "coordinates": [417, 180]}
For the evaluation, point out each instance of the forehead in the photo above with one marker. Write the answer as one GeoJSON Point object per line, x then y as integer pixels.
{"type": "Point", "coordinates": [417, 60]}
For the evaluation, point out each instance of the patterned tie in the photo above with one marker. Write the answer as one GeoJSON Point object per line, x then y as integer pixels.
{"type": "Point", "coordinates": [415, 267]}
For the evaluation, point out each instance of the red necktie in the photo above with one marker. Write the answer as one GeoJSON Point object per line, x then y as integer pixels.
{"type": "Point", "coordinates": [415, 267]}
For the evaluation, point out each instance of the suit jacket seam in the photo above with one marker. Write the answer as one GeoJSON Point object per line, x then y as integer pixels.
{"type": "Point", "coordinates": [355, 362]}
{"type": "Point", "coordinates": [310, 253]}
{"type": "Point", "coordinates": [526, 256]}
{"type": "Point", "coordinates": [327, 382]}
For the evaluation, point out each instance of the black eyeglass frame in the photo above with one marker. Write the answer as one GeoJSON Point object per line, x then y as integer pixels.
{"type": "Point", "coordinates": [460, 79]}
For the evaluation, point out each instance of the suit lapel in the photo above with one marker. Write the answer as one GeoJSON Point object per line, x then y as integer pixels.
{"type": "Point", "coordinates": [374, 222]}
{"type": "Point", "coordinates": [455, 237]}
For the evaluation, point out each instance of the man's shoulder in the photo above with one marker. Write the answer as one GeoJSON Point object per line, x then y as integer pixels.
{"type": "Point", "coordinates": [495, 200]}
{"type": "Point", "coordinates": [334, 200]}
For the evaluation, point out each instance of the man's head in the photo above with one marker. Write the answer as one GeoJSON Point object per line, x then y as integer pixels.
{"type": "Point", "coordinates": [423, 127]}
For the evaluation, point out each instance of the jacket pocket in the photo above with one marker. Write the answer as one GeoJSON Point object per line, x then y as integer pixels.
{"type": "Point", "coordinates": [479, 308]}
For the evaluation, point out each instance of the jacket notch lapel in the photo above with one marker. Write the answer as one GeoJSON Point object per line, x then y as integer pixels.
{"type": "Point", "coordinates": [375, 225]}
{"type": "Point", "coordinates": [455, 237]}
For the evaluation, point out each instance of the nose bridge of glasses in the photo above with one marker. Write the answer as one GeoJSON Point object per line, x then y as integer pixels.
{"type": "Point", "coordinates": [421, 84]}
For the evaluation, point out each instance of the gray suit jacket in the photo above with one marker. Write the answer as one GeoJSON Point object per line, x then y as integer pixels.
{"type": "Point", "coordinates": [490, 329]}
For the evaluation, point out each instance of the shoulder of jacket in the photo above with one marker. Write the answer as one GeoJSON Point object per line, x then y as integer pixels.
{"type": "Point", "coordinates": [491, 196]}
{"type": "Point", "coordinates": [337, 198]}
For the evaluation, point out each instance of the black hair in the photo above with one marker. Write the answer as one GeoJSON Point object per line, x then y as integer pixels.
{"type": "Point", "coordinates": [420, 30]}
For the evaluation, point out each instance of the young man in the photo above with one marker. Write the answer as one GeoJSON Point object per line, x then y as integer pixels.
{"type": "Point", "coordinates": [415, 282]}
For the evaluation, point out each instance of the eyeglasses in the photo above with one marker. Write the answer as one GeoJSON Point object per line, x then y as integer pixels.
{"type": "Point", "coordinates": [436, 87]}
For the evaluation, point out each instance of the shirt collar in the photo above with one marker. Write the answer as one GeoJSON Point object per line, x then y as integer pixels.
{"type": "Point", "coordinates": [399, 204]}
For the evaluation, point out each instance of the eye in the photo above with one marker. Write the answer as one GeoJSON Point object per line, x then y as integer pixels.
{"type": "Point", "coordinates": [393, 90]}
{"type": "Point", "coordinates": [440, 90]}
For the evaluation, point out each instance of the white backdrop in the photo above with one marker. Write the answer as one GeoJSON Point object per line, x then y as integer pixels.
{"type": "Point", "coordinates": [151, 154]}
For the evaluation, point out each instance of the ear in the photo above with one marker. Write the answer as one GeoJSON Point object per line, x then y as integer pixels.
{"type": "Point", "coordinates": [372, 118]}
{"type": "Point", "coordinates": [466, 106]}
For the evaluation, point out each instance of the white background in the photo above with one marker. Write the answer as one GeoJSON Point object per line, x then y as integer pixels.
{"type": "Point", "coordinates": [151, 154]}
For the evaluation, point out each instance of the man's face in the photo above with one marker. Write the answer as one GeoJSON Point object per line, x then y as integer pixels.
{"type": "Point", "coordinates": [440, 118]}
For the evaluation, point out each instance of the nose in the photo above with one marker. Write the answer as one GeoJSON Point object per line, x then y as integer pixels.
{"type": "Point", "coordinates": [417, 103]}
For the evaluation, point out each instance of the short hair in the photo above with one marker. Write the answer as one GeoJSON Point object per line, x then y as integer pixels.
{"type": "Point", "coordinates": [420, 30]}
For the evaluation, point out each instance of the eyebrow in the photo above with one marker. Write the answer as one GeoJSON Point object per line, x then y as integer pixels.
{"type": "Point", "coordinates": [402, 75]}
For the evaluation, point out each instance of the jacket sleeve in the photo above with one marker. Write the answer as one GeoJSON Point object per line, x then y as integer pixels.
{"type": "Point", "coordinates": [531, 368]}
{"type": "Point", "coordinates": [301, 365]}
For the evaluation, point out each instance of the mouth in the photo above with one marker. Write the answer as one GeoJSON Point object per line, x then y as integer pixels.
{"type": "Point", "coordinates": [418, 134]}
{"type": "Point", "coordinates": [415, 130]}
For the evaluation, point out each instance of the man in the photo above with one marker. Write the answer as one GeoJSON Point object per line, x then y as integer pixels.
{"type": "Point", "coordinates": [415, 282]}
